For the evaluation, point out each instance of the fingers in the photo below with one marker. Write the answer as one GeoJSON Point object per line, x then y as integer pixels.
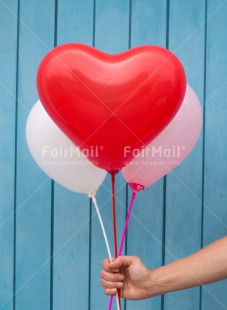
{"type": "Point", "coordinates": [110, 291]}
{"type": "Point", "coordinates": [112, 277]}
{"type": "Point", "coordinates": [111, 281]}
{"type": "Point", "coordinates": [108, 284]}
{"type": "Point", "coordinates": [110, 288]}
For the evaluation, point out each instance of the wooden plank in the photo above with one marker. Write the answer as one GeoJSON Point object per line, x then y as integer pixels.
{"type": "Point", "coordinates": [112, 36]}
{"type": "Point", "coordinates": [72, 211]}
{"type": "Point", "coordinates": [215, 194]}
{"type": "Point", "coordinates": [33, 225]}
{"type": "Point", "coordinates": [112, 25]}
{"type": "Point", "coordinates": [71, 250]}
{"type": "Point", "coordinates": [184, 185]}
{"type": "Point", "coordinates": [148, 26]}
{"type": "Point", "coordinates": [148, 22]}
{"type": "Point", "coordinates": [75, 21]}
{"type": "Point", "coordinates": [8, 58]}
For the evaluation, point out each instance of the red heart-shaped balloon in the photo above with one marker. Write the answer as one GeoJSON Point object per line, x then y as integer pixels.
{"type": "Point", "coordinates": [109, 105]}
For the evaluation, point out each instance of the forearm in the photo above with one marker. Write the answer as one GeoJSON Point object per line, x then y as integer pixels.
{"type": "Point", "coordinates": [205, 266]}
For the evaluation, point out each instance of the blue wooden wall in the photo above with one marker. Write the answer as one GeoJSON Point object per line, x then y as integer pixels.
{"type": "Point", "coordinates": [51, 244]}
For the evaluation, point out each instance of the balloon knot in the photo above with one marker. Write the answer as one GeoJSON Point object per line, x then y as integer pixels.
{"type": "Point", "coordinates": [91, 194]}
{"type": "Point", "coordinates": [136, 187]}
{"type": "Point", "coordinates": [113, 172]}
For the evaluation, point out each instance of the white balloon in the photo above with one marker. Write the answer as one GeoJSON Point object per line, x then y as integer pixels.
{"type": "Point", "coordinates": [58, 157]}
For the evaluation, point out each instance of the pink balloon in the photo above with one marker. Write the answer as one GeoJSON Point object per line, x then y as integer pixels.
{"type": "Point", "coordinates": [171, 146]}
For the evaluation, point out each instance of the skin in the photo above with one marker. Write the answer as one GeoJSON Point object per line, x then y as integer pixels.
{"type": "Point", "coordinates": [136, 281]}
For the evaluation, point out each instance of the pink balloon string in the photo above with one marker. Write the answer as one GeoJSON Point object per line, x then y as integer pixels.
{"type": "Point", "coordinates": [135, 189]}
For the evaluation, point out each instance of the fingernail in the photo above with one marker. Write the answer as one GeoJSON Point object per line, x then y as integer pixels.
{"type": "Point", "coordinates": [120, 284]}
{"type": "Point", "coordinates": [121, 278]}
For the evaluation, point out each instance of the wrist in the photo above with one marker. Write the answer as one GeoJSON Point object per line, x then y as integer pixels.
{"type": "Point", "coordinates": [160, 282]}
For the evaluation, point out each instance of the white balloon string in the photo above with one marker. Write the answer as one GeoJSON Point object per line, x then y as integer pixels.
{"type": "Point", "coordinates": [105, 238]}
{"type": "Point", "coordinates": [103, 228]}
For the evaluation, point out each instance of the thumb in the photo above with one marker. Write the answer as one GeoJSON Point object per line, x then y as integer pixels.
{"type": "Point", "coordinates": [122, 261]}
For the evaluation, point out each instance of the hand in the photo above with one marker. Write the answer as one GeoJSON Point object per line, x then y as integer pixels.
{"type": "Point", "coordinates": [129, 274]}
